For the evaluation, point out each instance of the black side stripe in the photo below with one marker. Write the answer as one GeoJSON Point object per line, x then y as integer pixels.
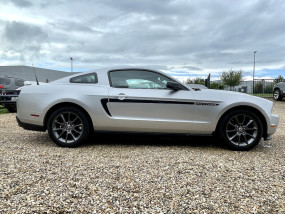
{"type": "Point", "coordinates": [104, 104]}
{"type": "Point", "coordinates": [149, 101]}
{"type": "Point", "coordinates": [105, 101]}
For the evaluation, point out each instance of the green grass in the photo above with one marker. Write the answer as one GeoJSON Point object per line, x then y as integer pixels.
{"type": "Point", "coordinates": [262, 95]}
{"type": "Point", "coordinates": [3, 110]}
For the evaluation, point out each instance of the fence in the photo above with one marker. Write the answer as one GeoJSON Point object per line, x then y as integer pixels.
{"type": "Point", "coordinates": [264, 87]}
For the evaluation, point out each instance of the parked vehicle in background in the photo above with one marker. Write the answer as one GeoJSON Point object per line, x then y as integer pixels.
{"type": "Point", "coordinates": [9, 92]}
{"type": "Point", "coordinates": [8, 97]}
{"type": "Point", "coordinates": [142, 100]}
{"type": "Point", "coordinates": [10, 83]}
{"type": "Point", "coordinates": [279, 91]}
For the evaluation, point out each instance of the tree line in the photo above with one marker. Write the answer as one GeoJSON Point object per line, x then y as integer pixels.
{"type": "Point", "coordinates": [233, 78]}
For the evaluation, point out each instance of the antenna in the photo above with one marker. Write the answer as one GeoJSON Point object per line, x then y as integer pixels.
{"type": "Point", "coordinates": [35, 75]}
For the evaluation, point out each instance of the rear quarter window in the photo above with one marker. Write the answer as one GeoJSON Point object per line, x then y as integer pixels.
{"type": "Point", "coordinates": [86, 78]}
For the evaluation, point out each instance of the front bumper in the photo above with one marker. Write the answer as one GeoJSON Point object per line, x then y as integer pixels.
{"type": "Point", "coordinates": [274, 120]}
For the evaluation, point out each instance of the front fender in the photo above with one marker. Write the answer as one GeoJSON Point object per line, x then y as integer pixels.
{"type": "Point", "coordinates": [245, 105]}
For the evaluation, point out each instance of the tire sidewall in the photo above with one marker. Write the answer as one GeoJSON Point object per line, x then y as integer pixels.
{"type": "Point", "coordinates": [223, 135]}
{"type": "Point", "coordinates": [279, 94]}
{"type": "Point", "coordinates": [81, 115]}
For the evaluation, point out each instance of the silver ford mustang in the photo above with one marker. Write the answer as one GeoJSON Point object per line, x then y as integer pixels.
{"type": "Point", "coordinates": [142, 100]}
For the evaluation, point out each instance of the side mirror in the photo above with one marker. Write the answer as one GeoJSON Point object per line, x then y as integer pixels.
{"type": "Point", "coordinates": [173, 85]}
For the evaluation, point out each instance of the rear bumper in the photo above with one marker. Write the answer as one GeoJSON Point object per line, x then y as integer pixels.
{"type": "Point", "coordinates": [32, 127]}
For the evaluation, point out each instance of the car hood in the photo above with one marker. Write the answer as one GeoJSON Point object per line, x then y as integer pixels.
{"type": "Point", "coordinates": [232, 95]}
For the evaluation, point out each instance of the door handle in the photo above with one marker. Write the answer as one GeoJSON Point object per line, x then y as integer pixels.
{"type": "Point", "coordinates": [121, 96]}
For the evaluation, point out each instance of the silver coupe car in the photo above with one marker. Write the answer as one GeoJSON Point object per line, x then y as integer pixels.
{"type": "Point", "coordinates": [142, 100]}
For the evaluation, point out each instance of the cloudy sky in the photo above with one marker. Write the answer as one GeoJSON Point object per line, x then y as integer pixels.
{"type": "Point", "coordinates": [186, 38]}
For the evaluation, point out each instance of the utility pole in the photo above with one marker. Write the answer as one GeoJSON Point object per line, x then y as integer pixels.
{"type": "Point", "coordinates": [253, 71]}
{"type": "Point", "coordinates": [71, 61]}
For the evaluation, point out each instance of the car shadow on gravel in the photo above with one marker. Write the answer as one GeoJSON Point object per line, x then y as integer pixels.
{"type": "Point", "coordinates": [152, 140]}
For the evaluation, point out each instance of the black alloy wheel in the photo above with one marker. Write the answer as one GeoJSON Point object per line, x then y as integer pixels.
{"type": "Point", "coordinates": [68, 127]}
{"type": "Point", "coordinates": [240, 130]}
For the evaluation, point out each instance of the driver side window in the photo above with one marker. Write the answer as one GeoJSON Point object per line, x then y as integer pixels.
{"type": "Point", "coordinates": [138, 79]}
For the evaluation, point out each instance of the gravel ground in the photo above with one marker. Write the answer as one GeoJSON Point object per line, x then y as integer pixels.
{"type": "Point", "coordinates": [139, 174]}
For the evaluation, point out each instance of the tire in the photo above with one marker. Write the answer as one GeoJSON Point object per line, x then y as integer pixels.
{"type": "Point", "coordinates": [240, 130]}
{"type": "Point", "coordinates": [277, 95]}
{"type": "Point", "coordinates": [68, 127]}
{"type": "Point", "coordinates": [11, 109]}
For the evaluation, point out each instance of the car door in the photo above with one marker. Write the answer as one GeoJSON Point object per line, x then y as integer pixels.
{"type": "Point", "coordinates": [140, 101]}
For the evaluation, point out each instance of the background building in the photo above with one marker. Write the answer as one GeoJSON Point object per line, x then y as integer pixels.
{"type": "Point", "coordinates": [27, 73]}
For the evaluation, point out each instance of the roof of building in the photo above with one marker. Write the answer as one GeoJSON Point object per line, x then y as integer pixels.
{"type": "Point", "coordinates": [27, 73]}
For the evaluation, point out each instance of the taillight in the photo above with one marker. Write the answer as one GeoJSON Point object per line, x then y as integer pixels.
{"type": "Point", "coordinates": [1, 86]}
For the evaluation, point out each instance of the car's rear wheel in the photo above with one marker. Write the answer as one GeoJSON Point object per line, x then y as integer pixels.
{"type": "Point", "coordinates": [240, 130]}
{"type": "Point", "coordinates": [277, 95]}
{"type": "Point", "coordinates": [68, 127]}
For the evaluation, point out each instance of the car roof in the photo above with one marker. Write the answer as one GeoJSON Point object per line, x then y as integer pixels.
{"type": "Point", "coordinates": [102, 71]}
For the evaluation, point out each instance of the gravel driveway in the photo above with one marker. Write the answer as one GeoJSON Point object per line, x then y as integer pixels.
{"type": "Point", "coordinates": [139, 174]}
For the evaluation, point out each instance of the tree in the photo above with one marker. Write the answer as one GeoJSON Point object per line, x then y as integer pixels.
{"type": "Point", "coordinates": [217, 85]}
{"type": "Point", "coordinates": [258, 88]}
{"type": "Point", "coordinates": [280, 78]}
{"type": "Point", "coordinates": [268, 88]}
{"type": "Point", "coordinates": [232, 78]}
{"type": "Point", "coordinates": [196, 80]}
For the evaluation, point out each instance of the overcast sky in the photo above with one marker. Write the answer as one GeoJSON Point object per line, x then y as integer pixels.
{"type": "Point", "coordinates": [186, 38]}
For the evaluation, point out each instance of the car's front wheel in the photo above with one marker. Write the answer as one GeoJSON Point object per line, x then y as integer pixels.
{"type": "Point", "coordinates": [277, 95]}
{"type": "Point", "coordinates": [240, 130]}
{"type": "Point", "coordinates": [68, 127]}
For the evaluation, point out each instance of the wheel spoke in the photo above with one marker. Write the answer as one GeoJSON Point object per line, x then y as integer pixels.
{"type": "Point", "coordinates": [61, 134]}
{"type": "Point", "coordinates": [62, 117]}
{"type": "Point", "coordinates": [237, 119]}
{"type": "Point", "coordinates": [249, 122]}
{"type": "Point", "coordinates": [74, 120]}
{"type": "Point", "coordinates": [68, 116]}
{"type": "Point", "coordinates": [232, 124]}
{"type": "Point", "coordinates": [239, 139]}
{"type": "Point", "coordinates": [250, 135]}
{"type": "Point", "coordinates": [77, 125]}
{"type": "Point", "coordinates": [251, 129]}
{"type": "Point", "coordinates": [243, 120]}
{"type": "Point", "coordinates": [58, 129]}
{"type": "Point", "coordinates": [233, 137]}
{"type": "Point", "coordinates": [231, 130]}
{"type": "Point", "coordinates": [246, 141]}
{"type": "Point", "coordinates": [58, 122]}
{"type": "Point", "coordinates": [66, 137]}
{"type": "Point", "coordinates": [77, 131]}
{"type": "Point", "coordinates": [74, 138]}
